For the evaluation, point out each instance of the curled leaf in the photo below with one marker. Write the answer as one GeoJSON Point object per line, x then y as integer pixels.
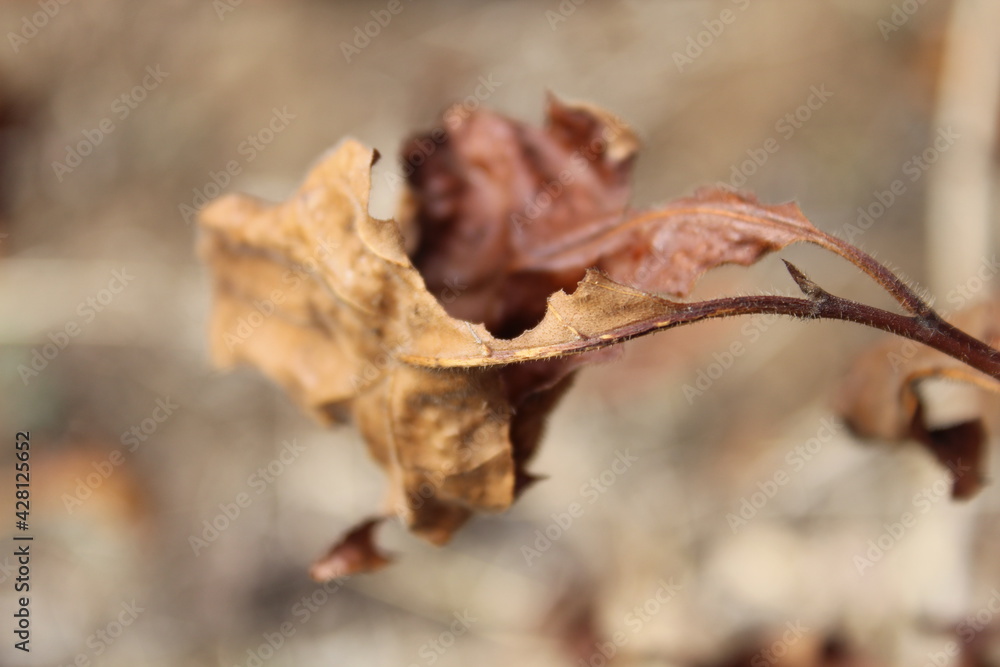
{"type": "Point", "coordinates": [320, 296]}
{"type": "Point", "coordinates": [355, 553]}
{"type": "Point", "coordinates": [880, 399]}
{"type": "Point", "coordinates": [509, 214]}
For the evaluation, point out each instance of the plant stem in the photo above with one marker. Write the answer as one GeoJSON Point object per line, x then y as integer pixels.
{"type": "Point", "coordinates": [927, 328]}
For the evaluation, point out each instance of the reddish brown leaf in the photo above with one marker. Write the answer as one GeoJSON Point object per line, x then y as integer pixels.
{"type": "Point", "coordinates": [355, 553]}
{"type": "Point", "coordinates": [510, 214]}
{"type": "Point", "coordinates": [497, 194]}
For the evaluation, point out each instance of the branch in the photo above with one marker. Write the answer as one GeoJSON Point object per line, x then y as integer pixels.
{"type": "Point", "coordinates": [927, 327]}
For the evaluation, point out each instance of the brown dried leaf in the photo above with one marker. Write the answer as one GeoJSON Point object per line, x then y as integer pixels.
{"type": "Point", "coordinates": [510, 214]}
{"type": "Point", "coordinates": [879, 398]}
{"type": "Point", "coordinates": [492, 198]}
{"type": "Point", "coordinates": [326, 325]}
{"type": "Point", "coordinates": [356, 553]}
{"type": "Point", "coordinates": [325, 300]}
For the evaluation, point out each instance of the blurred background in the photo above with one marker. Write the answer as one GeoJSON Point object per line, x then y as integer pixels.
{"type": "Point", "coordinates": [733, 539]}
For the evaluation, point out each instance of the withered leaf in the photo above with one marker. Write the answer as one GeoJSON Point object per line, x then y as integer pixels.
{"type": "Point", "coordinates": [879, 399]}
{"type": "Point", "coordinates": [355, 553]}
{"type": "Point", "coordinates": [510, 214]}
{"type": "Point", "coordinates": [497, 197]}
{"type": "Point", "coordinates": [325, 300]}
{"type": "Point", "coordinates": [328, 329]}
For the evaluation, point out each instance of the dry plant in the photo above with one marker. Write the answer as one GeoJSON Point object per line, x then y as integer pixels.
{"type": "Point", "coordinates": [449, 335]}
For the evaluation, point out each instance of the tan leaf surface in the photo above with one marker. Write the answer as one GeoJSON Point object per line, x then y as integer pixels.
{"type": "Point", "coordinates": [327, 325]}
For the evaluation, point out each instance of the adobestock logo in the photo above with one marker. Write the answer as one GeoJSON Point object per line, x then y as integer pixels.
{"type": "Point", "coordinates": [604, 652]}
{"type": "Point", "coordinates": [913, 169]}
{"type": "Point", "coordinates": [88, 310]}
{"type": "Point", "coordinates": [894, 532]}
{"type": "Point", "coordinates": [785, 127]}
{"type": "Point", "coordinates": [248, 149]}
{"type": "Point", "coordinates": [420, 149]}
{"type": "Point", "coordinates": [121, 108]}
{"type": "Point", "coordinates": [364, 35]}
{"type": "Point", "coordinates": [230, 511]}
{"type": "Point", "coordinates": [697, 44]}
{"type": "Point", "coordinates": [795, 459]}
{"type": "Point", "coordinates": [30, 25]}
{"type": "Point", "coordinates": [779, 648]}
{"type": "Point", "coordinates": [591, 491]}
{"type": "Point", "coordinates": [432, 650]}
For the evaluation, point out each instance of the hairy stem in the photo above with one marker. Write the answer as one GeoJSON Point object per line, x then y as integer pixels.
{"type": "Point", "coordinates": [927, 327]}
{"type": "Point", "coordinates": [898, 289]}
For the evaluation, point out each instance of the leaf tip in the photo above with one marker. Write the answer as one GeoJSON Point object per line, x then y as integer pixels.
{"type": "Point", "coordinates": [354, 554]}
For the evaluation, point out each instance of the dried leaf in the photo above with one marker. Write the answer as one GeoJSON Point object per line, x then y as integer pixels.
{"type": "Point", "coordinates": [879, 399]}
{"type": "Point", "coordinates": [326, 301]}
{"type": "Point", "coordinates": [511, 214]}
{"type": "Point", "coordinates": [326, 325]}
{"type": "Point", "coordinates": [356, 553]}
{"type": "Point", "coordinates": [497, 197]}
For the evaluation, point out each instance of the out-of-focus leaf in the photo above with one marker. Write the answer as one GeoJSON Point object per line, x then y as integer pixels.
{"type": "Point", "coordinates": [879, 399]}
{"type": "Point", "coordinates": [354, 554]}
